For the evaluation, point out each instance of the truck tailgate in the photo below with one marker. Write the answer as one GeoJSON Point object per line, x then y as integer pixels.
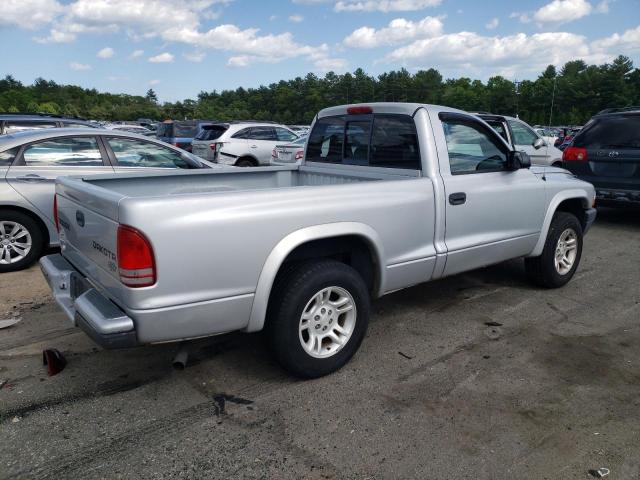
{"type": "Point", "coordinates": [88, 238]}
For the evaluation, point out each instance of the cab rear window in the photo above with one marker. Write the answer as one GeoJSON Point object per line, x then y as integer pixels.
{"type": "Point", "coordinates": [387, 141]}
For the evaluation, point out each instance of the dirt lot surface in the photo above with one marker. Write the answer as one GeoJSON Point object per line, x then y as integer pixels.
{"type": "Point", "coordinates": [478, 376]}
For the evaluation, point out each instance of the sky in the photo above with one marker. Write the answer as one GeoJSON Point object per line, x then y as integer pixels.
{"type": "Point", "coordinates": [182, 47]}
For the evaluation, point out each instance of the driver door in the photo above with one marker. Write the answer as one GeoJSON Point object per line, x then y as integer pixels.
{"type": "Point", "coordinates": [492, 214]}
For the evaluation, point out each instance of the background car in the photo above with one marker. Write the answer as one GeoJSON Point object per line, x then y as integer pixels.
{"type": "Point", "coordinates": [242, 144]}
{"type": "Point", "coordinates": [123, 127]}
{"type": "Point", "coordinates": [180, 133]}
{"type": "Point", "coordinates": [524, 138]}
{"type": "Point", "coordinates": [291, 153]}
{"type": "Point", "coordinates": [606, 153]}
{"type": "Point", "coordinates": [30, 162]}
{"type": "Point", "coordinates": [17, 122]}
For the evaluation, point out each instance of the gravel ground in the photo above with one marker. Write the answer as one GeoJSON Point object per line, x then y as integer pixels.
{"type": "Point", "coordinates": [478, 376]}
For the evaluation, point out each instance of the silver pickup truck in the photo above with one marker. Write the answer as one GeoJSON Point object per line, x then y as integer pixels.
{"type": "Point", "coordinates": [389, 195]}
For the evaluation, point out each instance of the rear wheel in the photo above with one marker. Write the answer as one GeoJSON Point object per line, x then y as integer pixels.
{"type": "Point", "coordinates": [245, 162]}
{"type": "Point", "coordinates": [561, 254]}
{"type": "Point", "coordinates": [21, 241]}
{"type": "Point", "coordinates": [318, 317]}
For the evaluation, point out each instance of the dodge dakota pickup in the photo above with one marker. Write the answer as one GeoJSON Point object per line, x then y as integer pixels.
{"type": "Point", "coordinates": [388, 195]}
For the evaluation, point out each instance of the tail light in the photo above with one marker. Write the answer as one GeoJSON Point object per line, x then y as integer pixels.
{"type": "Point", "coordinates": [213, 147]}
{"type": "Point", "coordinates": [55, 212]}
{"type": "Point", "coordinates": [359, 110]}
{"type": "Point", "coordinates": [274, 153]}
{"type": "Point", "coordinates": [299, 155]}
{"type": "Point", "coordinates": [136, 264]}
{"type": "Point", "coordinates": [574, 154]}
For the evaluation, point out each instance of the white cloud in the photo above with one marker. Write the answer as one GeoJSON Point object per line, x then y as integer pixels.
{"type": "Point", "coordinates": [384, 5]}
{"type": "Point", "coordinates": [57, 36]}
{"type": "Point", "coordinates": [106, 52]}
{"type": "Point", "coordinates": [240, 61]}
{"type": "Point", "coordinates": [154, 82]}
{"type": "Point", "coordinates": [79, 66]}
{"type": "Point", "coordinates": [602, 7]}
{"type": "Point", "coordinates": [561, 11]}
{"type": "Point", "coordinates": [492, 24]}
{"type": "Point", "coordinates": [29, 14]}
{"type": "Point", "coordinates": [296, 18]}
{"type": "Point", "coordinates": [398, 31]}
{"type": "Point", "coordinates": [195, 57]}
{"type": "Point", "coordinates": [165, 57]}
{"type": "Point", "coordinates": [627, 42]}
{"type": "Point", "coordinates": [136, 54]}
{"type": "Point", "coordinates": [517, 53]}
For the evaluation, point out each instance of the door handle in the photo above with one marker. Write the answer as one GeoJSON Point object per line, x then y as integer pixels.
{"type": "Point", "coordinates": [31, 178]}
{"type": "Point", "coordinates": [457, 198]}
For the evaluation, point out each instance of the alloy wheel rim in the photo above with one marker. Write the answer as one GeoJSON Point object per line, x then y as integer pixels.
{"type": "Point", "coordinates": [15, 242]}
{"type": "Point", "coordinates": [566, 251]}
{"type": "Point", "coordinates": [327, 322]}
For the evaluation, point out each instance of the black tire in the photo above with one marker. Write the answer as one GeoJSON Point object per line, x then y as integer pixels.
{"type": "Point", "coordinates": [293, 290]}
{"type": "Point", "coordinates": [542, 270]}
{"type": "Point", "coordinates": [245, 162]}
{"type": "Point", "coordinates": [37, 240]}
{"type": "Point", "coordinates": [557, 164]}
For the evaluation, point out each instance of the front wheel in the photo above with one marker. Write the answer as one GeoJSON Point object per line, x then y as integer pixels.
{"type": "Point", "coordinates": [561, 254]}
{"type": "Point", "coordinates": [318, 317]}
{"type": "Point", "coordinates": [21, 241]}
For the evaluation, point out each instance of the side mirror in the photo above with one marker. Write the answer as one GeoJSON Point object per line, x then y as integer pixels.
{"type": "Point", "coordinates": [518, 160]}
{"type": "Point", "coordinates": [539, 143]}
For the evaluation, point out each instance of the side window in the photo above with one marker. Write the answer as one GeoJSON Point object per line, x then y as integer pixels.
{"type": "Point", "coordinates": [7, 157]}
{"type": "Point", "coordinates": [472, 148]}
{"type": "Point", "coordinates": [244, 133]}
{"type": "Point", "coordinates": [394, 143]}
{"type": "Point", "coordinates": [285, 135]}
{"type": "Point", "coordinates": [522, 135]}
{"type": "Point", "coordinates": [356, 147]}
{"type": "Point", "coordinates": [137, 153]}
{"type": "Point", "coordinates": [263, 133]}
{"type": "Point", "coordinates": [326, 140]}
{"type": "Point", "coordinates": [13, 127]}
{"type": "Point", "coordinates": [62, 152]}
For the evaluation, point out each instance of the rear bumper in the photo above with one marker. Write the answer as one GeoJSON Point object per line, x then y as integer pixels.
{"type": "Point", "coordinates": [618, 196]}
{"type": "Point", "coordinates": [103, 321]}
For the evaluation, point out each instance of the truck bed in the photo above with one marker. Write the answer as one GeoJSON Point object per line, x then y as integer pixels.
{"type": "Point", "coordinates": [236, 180]}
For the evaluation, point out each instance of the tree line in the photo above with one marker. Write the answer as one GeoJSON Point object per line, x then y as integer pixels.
{"type": "Point", "coordinates": [578, 91]}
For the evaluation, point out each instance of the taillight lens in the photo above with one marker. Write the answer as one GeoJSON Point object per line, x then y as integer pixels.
{"type": "Point", "coordinates": [299, 155]}
{"type": "Point", "coordinates": [274, 153]}
{"type": "Point", "coordinates": [136, 264]}
{"type": "Point", "coordinates": [574, 154]}
{"type": "Point", "coordinates": [55, 212]}
{"type": "Point", "coordinates": [213, 147]}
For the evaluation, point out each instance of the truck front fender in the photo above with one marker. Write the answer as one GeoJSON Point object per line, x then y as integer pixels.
{"type": "Point", "coordinates": [576, 193]}
{"type": "Point", "coordinates": [289, 243]}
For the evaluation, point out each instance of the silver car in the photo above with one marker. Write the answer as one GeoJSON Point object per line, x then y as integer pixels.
{"type": "Point", "coordinates": [31, 161]}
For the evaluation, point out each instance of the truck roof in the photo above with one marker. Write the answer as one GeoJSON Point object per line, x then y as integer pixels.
{"type": "Point", "coordinates": [387, 107]}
